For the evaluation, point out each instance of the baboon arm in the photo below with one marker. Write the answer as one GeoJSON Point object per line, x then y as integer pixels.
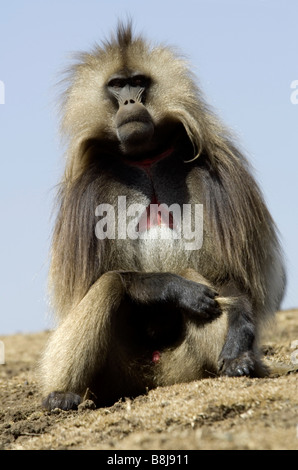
{"type": "Point", "coordinates": [79, 345]}
{"type": "Point", "coordinates": [195, 299]}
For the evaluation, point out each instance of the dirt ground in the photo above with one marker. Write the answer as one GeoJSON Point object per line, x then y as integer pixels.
{"type": "Point", "coordinates": [219, 413]}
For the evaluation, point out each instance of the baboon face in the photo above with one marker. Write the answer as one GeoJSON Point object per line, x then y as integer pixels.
{"type": "Point", "coordinates": [142, 131]}
{"type": "Point", "coordinates": [133, 101]}
{"type": "Point", "coordinates": [133, 123]}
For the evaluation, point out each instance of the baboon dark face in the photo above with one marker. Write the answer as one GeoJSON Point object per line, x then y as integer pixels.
{"type": "Point", "coordinates": [134, 125]}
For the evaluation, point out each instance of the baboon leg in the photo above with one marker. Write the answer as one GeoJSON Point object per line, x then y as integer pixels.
{"type": "Point", "coordinates": [80, 344]}
{"type": "Point", "coordinates": [239, 354]}
{"type": "Point", "coordinates": [193, 275]}
{"type": "Point", "coordinates": [197, 355]}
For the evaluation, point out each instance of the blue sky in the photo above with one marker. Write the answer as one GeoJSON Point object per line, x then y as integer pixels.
{"type": "Point", "coordinates": [245, 54]}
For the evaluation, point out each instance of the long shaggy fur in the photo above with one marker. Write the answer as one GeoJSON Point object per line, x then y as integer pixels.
{"type": "Point", "coordinates": [240, 256]}
{"type": "Point", "coordinates": [244, 234]}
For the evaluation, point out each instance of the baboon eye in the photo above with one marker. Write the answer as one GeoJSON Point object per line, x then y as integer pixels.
{"type": "Point", "coordinates": [117, 83]}
{"type": "Point", "coordinates": [139, 81]}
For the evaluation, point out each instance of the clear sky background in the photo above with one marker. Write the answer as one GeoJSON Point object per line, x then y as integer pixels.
{"type": "Point", "coordinates": [245, 53]}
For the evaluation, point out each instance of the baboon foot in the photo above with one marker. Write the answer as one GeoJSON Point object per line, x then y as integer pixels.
{"type": "Point", "coordinates": [63, 400]}
{"type": "Point", "coordinates": [245, 364]}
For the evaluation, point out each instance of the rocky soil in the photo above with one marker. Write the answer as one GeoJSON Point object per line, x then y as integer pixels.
{"type": "Point", "coordinates": [219, 413]}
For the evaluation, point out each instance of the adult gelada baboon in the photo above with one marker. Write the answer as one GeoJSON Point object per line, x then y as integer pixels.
{"type": "Point", "coordinates": [140, 311]}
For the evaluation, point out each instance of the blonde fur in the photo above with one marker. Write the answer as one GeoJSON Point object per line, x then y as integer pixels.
{"type": "Point", "coordinates": [241, 257]}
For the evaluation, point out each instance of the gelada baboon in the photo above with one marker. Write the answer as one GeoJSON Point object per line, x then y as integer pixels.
{"type": "Point", "coordinates": [143, 307]}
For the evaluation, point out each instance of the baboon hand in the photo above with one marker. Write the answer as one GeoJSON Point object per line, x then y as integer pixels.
{"type": "Point", "coordinates": [63, 400]}
{"type": "Point", "coordinates": [193, 298]}
{"type": "Point", "coordinates": [199, 302]}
